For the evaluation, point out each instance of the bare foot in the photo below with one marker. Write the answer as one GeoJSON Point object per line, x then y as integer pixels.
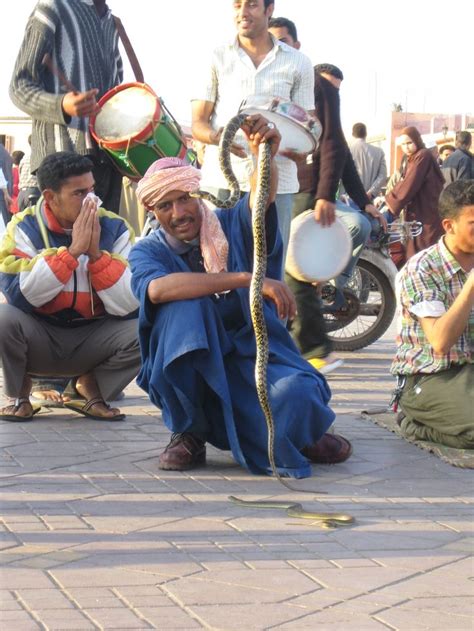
{"type": "Point", "coordinates": [24, 410]}
{"type": "Point", "coordinates": [102, 409]}
{"type": "Point", "coordinates": [50, 395]}
{"type": "Point", "coordinates": [86, 386]}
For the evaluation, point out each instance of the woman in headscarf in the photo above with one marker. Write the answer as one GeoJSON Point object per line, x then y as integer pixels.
{"type": "Point", "coordinates": [418, 192]}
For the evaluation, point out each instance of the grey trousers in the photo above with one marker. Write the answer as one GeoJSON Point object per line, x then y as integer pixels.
{"type": "Point", "coordinates": [108, 348]}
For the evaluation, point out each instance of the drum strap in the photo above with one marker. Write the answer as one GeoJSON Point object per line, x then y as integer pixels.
{"type": "Point", "coordinates": [137, 71]}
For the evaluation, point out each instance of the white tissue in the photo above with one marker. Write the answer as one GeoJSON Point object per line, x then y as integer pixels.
{"type": "Point", "coordinates": [94, 198]}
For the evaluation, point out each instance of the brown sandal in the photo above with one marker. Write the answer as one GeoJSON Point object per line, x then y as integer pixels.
{"type": "Point", "coordinates": [83, 407]}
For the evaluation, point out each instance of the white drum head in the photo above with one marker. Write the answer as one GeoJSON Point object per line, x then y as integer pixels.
{"type": "Point", "coordinates": [316, 252]}
{"type": "Point", "coordinates": [125, 114]}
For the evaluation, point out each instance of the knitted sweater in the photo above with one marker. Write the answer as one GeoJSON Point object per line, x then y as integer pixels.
{"type": "Point", "coordinates": [84, 47]}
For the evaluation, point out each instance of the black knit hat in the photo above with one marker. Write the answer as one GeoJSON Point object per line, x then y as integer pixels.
{"type": "Point", "coordinates": [334, 71]}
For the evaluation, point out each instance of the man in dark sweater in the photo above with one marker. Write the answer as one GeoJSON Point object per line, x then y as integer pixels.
{"type": "Point", "coordinates": [319, 183]}
{"type": "Point", "coordinates": [69, 58]}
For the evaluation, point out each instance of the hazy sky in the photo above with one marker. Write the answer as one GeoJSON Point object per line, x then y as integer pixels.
{"type": "Point", "coordinates": [405, 51]}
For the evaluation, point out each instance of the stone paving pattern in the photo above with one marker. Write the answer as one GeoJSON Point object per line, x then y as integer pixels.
{"type": "Point", "coordinates": [94, 536]}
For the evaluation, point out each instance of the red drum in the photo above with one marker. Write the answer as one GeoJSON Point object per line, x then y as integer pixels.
{"type": "Point", "coordinates": [135, 128]}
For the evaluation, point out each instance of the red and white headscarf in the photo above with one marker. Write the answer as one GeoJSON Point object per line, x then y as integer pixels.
{"type": "Point", "coordinates": [173, 174]}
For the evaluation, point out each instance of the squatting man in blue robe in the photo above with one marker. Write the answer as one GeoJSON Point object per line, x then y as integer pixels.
{"type": "Point", "coordinates": [192, 278]}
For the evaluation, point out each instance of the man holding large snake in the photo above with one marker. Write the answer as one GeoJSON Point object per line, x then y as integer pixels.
{"type": "Point", "coordinates": [192, 279]}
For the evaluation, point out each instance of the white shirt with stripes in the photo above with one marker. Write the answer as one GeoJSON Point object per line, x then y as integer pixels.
{"type": "Point", "coordinates": [232, 77]}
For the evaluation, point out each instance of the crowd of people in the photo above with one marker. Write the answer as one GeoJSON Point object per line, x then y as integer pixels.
{"type": "Point", "coordinates": [90, 310]}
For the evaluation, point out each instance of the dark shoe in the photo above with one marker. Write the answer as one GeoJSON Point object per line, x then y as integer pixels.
{"type": "Point", "coordinates": [184, 451]}
{"type": "Point", "coordinates": [338, 304]}
{"type": "Point", "coordinates": [330, 449]}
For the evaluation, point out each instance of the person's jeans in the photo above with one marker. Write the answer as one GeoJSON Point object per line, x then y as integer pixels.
{"type": "Point", "coordinates": [359, 228]}
{"type": "Point", "coordinates": [284, 205]}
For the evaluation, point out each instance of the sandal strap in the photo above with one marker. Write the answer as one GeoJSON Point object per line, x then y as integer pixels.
{"type": "Point", "coordinates": [87, 406]}
{"type": "Point", "coordinates": [20, 401]}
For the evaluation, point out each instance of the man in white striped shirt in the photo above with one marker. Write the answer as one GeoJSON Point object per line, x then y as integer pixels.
{"type": "Point", "coordinates": [255, 63]}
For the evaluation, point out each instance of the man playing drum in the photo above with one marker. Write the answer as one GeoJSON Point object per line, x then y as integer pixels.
{"type": "Point", "coordinates": [192, 279]}
{"type": "Point", "coordinates": [59, 87]}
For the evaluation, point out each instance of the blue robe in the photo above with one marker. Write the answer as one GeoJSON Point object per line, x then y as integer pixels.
{"type": "Point", "coordinates": [199, 357]}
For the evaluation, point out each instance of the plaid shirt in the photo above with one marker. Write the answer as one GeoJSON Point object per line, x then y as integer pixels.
{"type": "Point", "coordinates": [427, 287]}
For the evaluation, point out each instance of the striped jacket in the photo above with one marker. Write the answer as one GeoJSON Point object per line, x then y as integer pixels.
{"type": "Point", "coordinates": [38, 275]}
{"type": "Point", "coordinates": [84, 47]}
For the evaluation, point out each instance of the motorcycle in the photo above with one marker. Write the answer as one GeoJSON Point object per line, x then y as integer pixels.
{"type": "Point", "coordinates": [370, 297]}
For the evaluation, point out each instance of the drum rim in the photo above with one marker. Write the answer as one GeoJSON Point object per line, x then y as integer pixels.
{"type": "Point", "coordinates": [144, 133]}
{"type": "Point", "coordinates": [296, 124]}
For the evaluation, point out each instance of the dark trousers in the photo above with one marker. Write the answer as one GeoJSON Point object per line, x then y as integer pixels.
{"type": "Point", "coordinates": [108, 181]}
{"type": "Point", "coordinates": [308, 329]}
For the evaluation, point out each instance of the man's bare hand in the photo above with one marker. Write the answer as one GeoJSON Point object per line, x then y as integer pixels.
{"type": "Point", "coordinates": [235, 148]}
{"type": "Point", "coordinates": [82, 231]}
{"type": "Point", "coordinates": [373, 212]}
{"type": "Point", "coordinates": [296, 156]}
{"type": "Point", "coordinates": [238, 150]}
{"type": "Point", "coordinates": [258, 130]}
{"type": "Point", "coordinates": [280, 294]}
{"type": "Point", "coordinates": [93, 252]}
{"type": "Point", "coordinates": [80, 103]}
{"type": "Point", "coordinates": [325, 212]}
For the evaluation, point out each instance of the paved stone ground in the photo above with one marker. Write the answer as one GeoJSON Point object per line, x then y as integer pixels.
{"type": "Point", "coordinates": [94, 536]}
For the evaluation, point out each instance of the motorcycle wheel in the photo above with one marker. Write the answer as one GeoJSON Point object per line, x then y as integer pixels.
{"type": "Point", "coordinates": [372, 299]}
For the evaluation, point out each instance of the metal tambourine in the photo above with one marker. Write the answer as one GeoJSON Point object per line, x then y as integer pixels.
{"type": "Point", "coordinates": [299, 131]}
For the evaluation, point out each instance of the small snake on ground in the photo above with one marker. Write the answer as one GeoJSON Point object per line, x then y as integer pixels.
{"type": "Point", "coordinates": [324, 520]}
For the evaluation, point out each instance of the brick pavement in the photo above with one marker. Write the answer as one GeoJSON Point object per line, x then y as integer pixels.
{"type": "Point", "coordinates": [94, 536]}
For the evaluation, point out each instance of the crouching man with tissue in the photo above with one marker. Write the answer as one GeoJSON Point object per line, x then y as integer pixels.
{"type": "Point", "coordinates": [71, 313]}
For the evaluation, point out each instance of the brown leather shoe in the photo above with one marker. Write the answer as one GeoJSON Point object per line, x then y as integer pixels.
{"type": "Point", "coordinates": [330, 449]}
{"type": "Point", "coordinates": [184, 451]}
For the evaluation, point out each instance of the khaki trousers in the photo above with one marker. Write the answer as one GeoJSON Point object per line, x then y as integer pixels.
{"type": "Point", "coordinates": [440, 407]}
{"type": "Point", "coordinates": [108, 348]}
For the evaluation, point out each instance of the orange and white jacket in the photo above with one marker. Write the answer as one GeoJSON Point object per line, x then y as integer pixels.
{"type": "Point", "coordinates": [38, 275]}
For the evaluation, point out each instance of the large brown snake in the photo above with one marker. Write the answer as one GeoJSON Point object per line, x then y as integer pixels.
{"type": "Point", "coordinates": [324, 520]}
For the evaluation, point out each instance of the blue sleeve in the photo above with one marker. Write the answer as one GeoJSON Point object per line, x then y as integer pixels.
{"type": "Point", "coordinates": [147, 261]}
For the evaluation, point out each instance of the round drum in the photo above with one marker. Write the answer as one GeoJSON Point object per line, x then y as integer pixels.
{"type": "Point", "coordinates": [315, 252]}
{"type": "Point", "coordinates": [134, 127]}
{"type": "Point", "coordinates": [299, 131]}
